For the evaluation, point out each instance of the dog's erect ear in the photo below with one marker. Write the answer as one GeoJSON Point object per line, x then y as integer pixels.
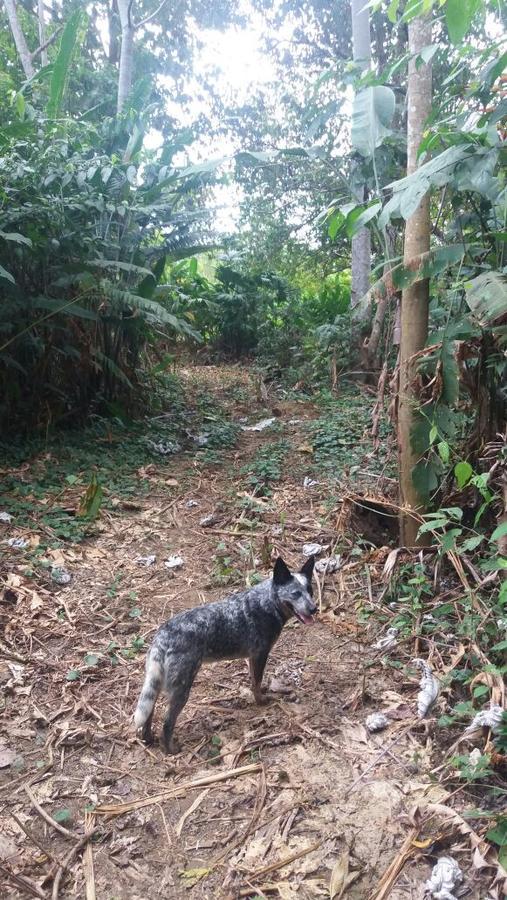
{"type": "Point", "coordinates": [307, 569]}
{"type": "Point", "coordinates": [281, 573]}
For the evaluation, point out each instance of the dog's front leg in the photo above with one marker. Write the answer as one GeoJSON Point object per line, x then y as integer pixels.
{"type": "Point", "coordinates": [257, 665]}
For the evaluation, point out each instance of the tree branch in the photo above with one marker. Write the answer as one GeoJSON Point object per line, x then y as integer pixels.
{"type": "Point", "coordinates": [152, 15]}
{"type": "Point", "coordinates": [47, 43]}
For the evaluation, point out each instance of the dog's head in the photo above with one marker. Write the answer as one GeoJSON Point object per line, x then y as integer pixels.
{"type": "Point", "coordinates": [294, 590]}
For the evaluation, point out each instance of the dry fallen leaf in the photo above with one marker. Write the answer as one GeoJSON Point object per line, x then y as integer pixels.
{"type": "Point", "coordinates": [305, 448]}
{"type": "Point", "coordinates": [7, 757]}
{"type": "Point", "coordinates": [338, 881]}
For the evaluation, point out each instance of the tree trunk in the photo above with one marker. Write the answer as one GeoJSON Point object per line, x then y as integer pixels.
{"type": "Point", "coordinates": [19, 39]}
{"type": "Point", "coordinates": [361, 244]}
{"type": "Point", "coordinates": [126, 52]}
{"type": "Point", "coordinates": [114, 34]}
{"type": "Point", "coordinates": [382, 305]}
{"type": "Point", "coordinates": [42, 33]}
{"type": "Point", "coordinates": [415, 299]}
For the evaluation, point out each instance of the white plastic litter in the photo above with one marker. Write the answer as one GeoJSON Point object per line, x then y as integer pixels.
{"type": "Point", "coordinates": [430, 688]}
{"type": "Point", "coordinates": [6, 518]}
{"type": "Point", "coordinates": [314, 549]}
{"type": "Point", "coordinates": [376, 722]}
{"type": "Point", "coordinates": [328, 565]}
{"type": "Point", "coordinates": [474, 757]}
{"type": "Point", "coordinates": [165, 448]}
{"type": "Point", "coordinates": [207, 521]}
{"type": "Point", "coordinates": [60, 575]}
{"type": "Point", "coordinates": [390, 639]}
{"type": "Point", "coordinates": [174, 562]}
{"type": "Point", "coordinates": [309, 482]}
{"type": "Point", "coordinates": [191, 503]}
{"type": "Point", "coordinates": [145, 560]}
{"type": "Point", "coordinates": [260, 426]}
{"type": "Point", "coordinates": [294, 421]}
{"type": "Point", "coordinates": [18, 543]}
{"type": "Point", "coordinates": [487, 718]}
{"type": "Point", "coordinates": [446, 875]}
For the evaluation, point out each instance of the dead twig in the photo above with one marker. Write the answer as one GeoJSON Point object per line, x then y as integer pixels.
{"type": "Point", "coordinates": [35, 840]}
{"type": "Point", "coordinates": [88, 868]}
{"type": "Point", "coordinates": [391, 873]}
{"type": "Point", "coordinates": [67, 861]}
{"type": "Point", "coordinates": [26, 884]}
{"type": "Point", "coordinates": [118, 809]}
{"type": "Point", "coordinates": [47, 818]}
{"type": "Point", "coordinates": [197, 802]}
{"type": "Point", "coordinates": [377, 759]}
{"type": "Point", "coordinates": [280, 863]}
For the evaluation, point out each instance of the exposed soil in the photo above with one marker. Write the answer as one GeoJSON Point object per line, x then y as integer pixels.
{"type": "Point", "coordinates": [322, 793]}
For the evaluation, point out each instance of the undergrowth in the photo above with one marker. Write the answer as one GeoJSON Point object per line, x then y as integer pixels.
{"type": "Point", "coordinates": [340, 438]}
{"type": "Point", "coordinates": [59, 484]}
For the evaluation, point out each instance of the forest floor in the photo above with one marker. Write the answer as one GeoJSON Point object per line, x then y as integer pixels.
{"type": "Point", "coordinates": [292, 799]}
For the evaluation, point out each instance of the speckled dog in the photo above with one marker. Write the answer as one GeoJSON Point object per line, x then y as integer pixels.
{"type": "Point", "coordinates": [243, 626]}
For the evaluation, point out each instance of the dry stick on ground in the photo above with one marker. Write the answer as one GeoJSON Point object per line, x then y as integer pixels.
{"type": "Point", "coordinates": [197, 802]}
{"type": "Point", "coordinates": [47, 818]}
{"type": "Point", "coordinates": [23, 882]}
{"type": "Point", "coordinates": [259, 803]}
{"type": "Point", "coordinates": [280, 863]}
{"type": "Point", "coordinates": [391, 874]}
{"type": "Point", "coordinates": [377, 759]}
{"type": "Point", "coordinates": [67, 860]}
{"type": "Point", "coordinates": [117, 809]}
{"type": "Point", "coordinates": [88, 868]}
{"type": "Point", "coordinates": [35, 840]}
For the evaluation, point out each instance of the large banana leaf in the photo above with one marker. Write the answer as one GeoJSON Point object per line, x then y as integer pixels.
{"type": "Point", "coordinates": [63, 61]}
{"type": "Point", "coordinates": [486, 296]}
{"type": "Point", "coordinates": [372, 115]}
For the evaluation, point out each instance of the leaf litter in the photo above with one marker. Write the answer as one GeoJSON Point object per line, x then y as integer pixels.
{"type": "Point", "coordinates": [321, 807]}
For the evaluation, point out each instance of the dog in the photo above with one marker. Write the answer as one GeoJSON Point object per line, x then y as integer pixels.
{"type": "Point", "coordinates": [244, 625]}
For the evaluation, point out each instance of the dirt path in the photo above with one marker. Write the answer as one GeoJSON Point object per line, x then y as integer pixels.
{"type": "Point", "coordinates": [321, 794]}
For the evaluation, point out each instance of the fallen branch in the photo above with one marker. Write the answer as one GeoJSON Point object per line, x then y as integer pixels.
{"type": "Point", "coordinates": [47, 818]}
{"type": "Point", "coordinates": [67, 860]}
{"type": "Point", "coordinates": [391, 873]}
{"type": "Point", "coordinates": [88, 869]}
{"type": "Point", "coordinates": [197, 802]}
{"type": "Point", "coordinates": [118, 809]}
{"type": "Point", "coordinates": [280, 863]}
{"type": "Point", "coordinates": [377, 759]}
{"type": "Point", "coordinates": [35, 840]}
{"type": "Point", "coordinates": [23, 882]}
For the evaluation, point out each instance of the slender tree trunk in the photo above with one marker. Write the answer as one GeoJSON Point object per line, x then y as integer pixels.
{"type": "Point", "coordinates": [114, 34]}
{"type": "Point", "coordinates": [19, 39]}
{"type": "Point", "coordinates": [382, 305]}
{"type": "Point", "coordinates": [415, 299]}
{"type": "Point", "coordinates": [42, 33]}
{"type": "Point", "coordinates": [361, 244]}
{"type": "Point", "coordinates": [126, 52]}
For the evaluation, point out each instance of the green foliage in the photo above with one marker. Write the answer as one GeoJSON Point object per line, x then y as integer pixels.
{"type": "Point", "coordinates": [337, 436]}
{"type": "Point", "coordinates": [87, 222]}
{"type": "Point", "coordinates": [372, 116]}
{"type": "Point", "coordinates": [266, 468]}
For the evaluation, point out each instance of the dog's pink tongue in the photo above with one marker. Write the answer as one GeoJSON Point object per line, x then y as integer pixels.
{"type": "Point", "coordinates": [308, 620]}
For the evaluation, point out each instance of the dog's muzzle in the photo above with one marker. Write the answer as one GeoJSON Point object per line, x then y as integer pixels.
{"type": "Point", "coordinates": [306, 618]}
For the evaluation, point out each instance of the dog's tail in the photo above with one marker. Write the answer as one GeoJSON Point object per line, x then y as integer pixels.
{"type": "Point", "coordinates": [151, 689]}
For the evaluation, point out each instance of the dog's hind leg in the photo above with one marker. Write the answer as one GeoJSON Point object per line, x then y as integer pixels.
{"type": "Point", "coordinates": [257, 665]}
{"type": "Point", "coordinates": [178, 686]}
